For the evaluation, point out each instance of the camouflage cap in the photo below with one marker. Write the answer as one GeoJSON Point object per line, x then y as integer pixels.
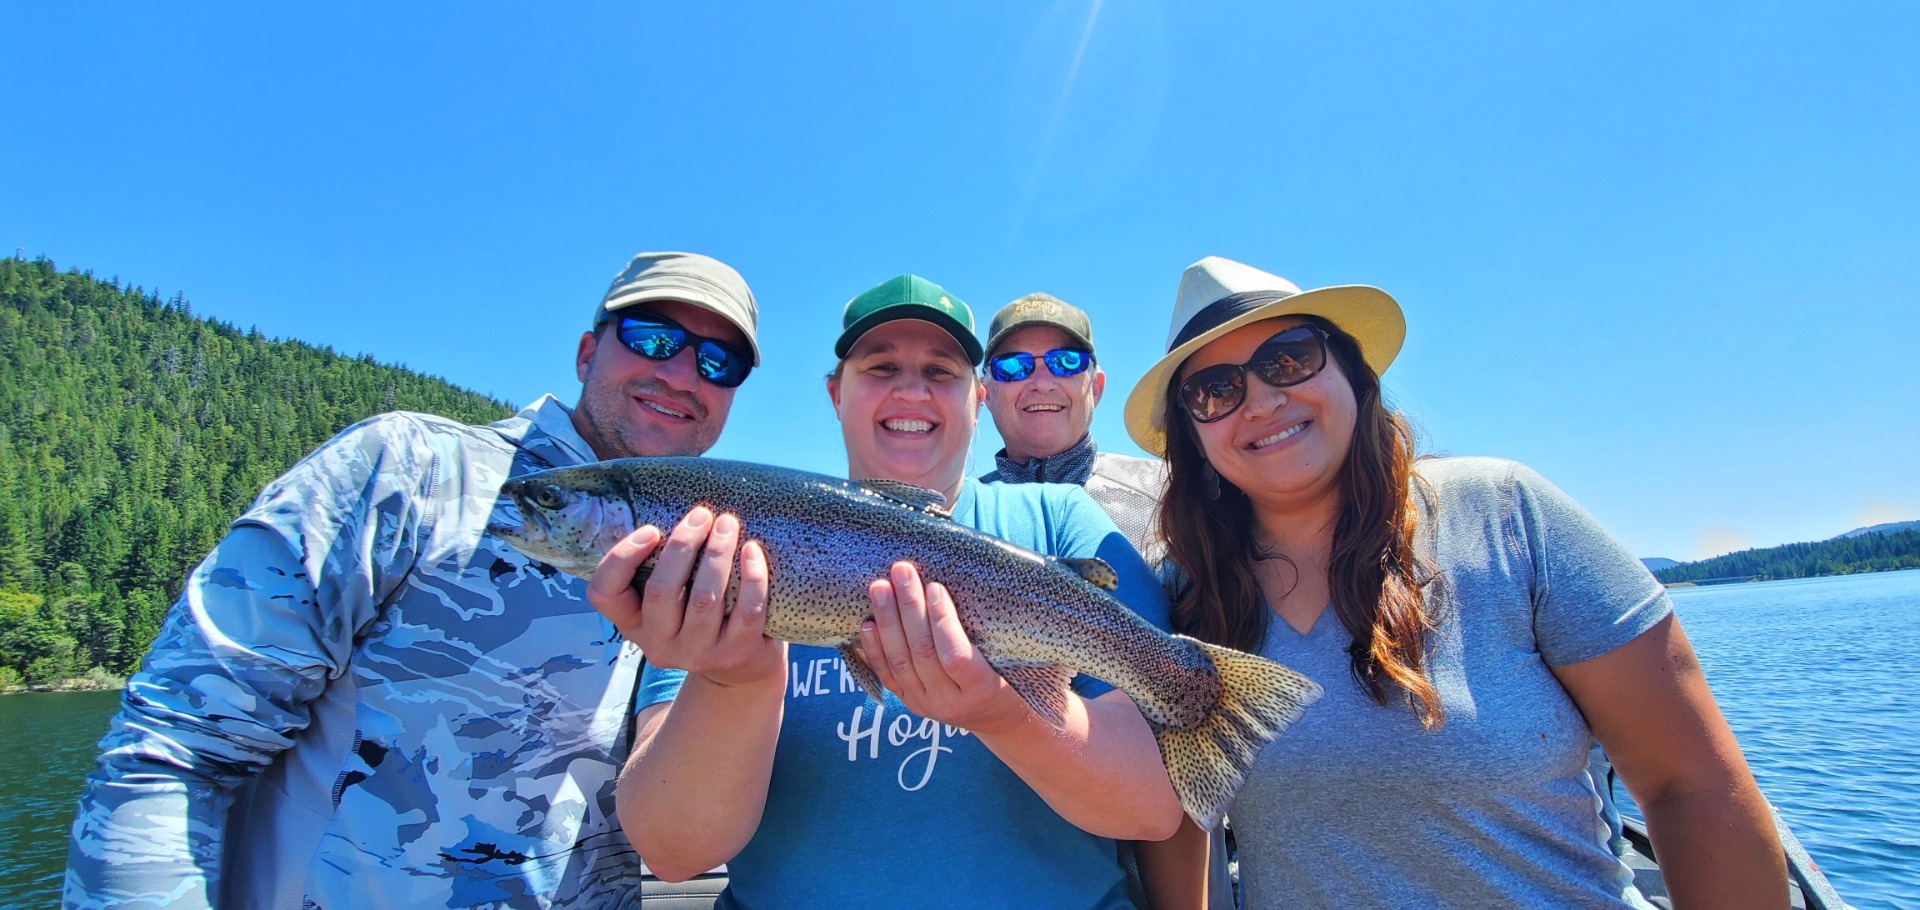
{"type": "Point", "coordinates": [1040, 309]}
{"type": "Point", "coordinates": [908, 297]}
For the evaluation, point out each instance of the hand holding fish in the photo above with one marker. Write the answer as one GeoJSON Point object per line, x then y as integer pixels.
{"type": "Point", "coordinates": [918, 649]}
{"type": "Point", "coordinates": [727, 716]}
{"type": "Point", "coordinates": [1098, 768]}
{"type": "Point", "coordinates": [1185, 718]}
{"type": "Point", "coordinates": [679, 617]}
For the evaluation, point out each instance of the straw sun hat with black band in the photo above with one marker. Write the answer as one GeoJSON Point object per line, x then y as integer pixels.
{"type": "Point", "coordinates": [1219, 295]}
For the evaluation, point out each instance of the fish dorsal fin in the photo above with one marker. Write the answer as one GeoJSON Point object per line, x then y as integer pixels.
{"type": "Point", "coordinates": [1092, 569]}
{"type": "Point", "coordinates": [932, 502]}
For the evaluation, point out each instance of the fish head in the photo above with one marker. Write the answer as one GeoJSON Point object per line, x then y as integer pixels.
{"type": "Point", "coordinates": [567, 518]}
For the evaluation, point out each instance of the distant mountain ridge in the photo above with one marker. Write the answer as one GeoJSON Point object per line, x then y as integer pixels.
{"type": "Point", "coordinates": [131, 434]}
{"type": "Point", "coordinates": [1890, 527]}
{"type": "Point", "coordinates": [1868, 551]}
{"type": "Point", "coordinates": [1659, 564]}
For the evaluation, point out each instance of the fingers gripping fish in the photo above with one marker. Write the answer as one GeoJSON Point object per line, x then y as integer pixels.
{"type": "Point", "coordinates": [1037, 619]}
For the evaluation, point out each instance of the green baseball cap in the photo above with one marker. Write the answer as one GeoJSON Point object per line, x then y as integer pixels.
{"type": "Point", "coordinates": [908, 297]}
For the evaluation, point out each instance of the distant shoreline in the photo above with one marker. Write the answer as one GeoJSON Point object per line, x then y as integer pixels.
{"type": "Point", "coordinates": [1716, 582]}
{"type": "Point", "coordinates": [1869, 550]}
{"type": "Point", "coordinates": [99, 683]}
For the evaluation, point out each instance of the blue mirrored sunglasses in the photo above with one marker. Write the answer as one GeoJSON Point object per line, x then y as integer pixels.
{"type": "Point", "coordinates": [659, 338]}
{"type": "Point", "coordinates": [1061, 362]}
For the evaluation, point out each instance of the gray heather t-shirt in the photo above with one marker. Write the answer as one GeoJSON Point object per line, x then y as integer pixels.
{"type": "Point", "coordinates": [1355, 806]}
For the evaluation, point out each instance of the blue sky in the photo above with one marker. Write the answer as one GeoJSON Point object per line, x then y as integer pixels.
{"type": "Point", "coordinates": [1666, 254]}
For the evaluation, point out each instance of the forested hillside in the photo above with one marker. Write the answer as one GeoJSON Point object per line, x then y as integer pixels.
{"type": "Point", "coordinates": [131, 434]}
{"type": "Point", "coordinates": [1839, 556]}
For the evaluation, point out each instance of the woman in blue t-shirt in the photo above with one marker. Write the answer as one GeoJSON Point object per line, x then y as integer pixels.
{"type": "Point", "coordinates": [952, 792]}
{"type": "Point", "coordinates": [1474, 629]}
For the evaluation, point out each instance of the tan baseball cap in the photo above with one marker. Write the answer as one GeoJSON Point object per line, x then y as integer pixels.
{"type": "Point", "coordinates": [1040, 309]}
{"type": "Point", "coordinates": [702, 281]}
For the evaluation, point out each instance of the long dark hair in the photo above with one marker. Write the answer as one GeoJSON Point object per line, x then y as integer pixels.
{"type": "Point", "coordinates": [1374, 576]}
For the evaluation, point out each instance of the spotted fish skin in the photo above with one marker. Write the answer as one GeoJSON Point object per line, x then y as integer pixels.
{"type": "Point", "coordinates": [1036, 619]}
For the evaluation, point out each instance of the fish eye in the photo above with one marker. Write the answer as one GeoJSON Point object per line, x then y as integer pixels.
{"type": "Point", "coordinates": [549, 497]}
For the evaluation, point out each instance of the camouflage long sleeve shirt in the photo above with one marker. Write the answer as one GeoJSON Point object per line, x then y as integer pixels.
{"type": "Point", "coordinates": [364, 700]}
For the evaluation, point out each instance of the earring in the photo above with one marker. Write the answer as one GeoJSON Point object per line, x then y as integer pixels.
{"type": "Point", "coordinates": [1211, 479]}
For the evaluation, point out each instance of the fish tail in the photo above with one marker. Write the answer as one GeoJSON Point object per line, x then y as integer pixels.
{"type": "Point", "coordinates": [1208, 761]}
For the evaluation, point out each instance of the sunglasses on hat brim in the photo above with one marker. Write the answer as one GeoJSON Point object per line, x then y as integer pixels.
{"type": "Point", "coordinates": [1018, 365]}
{"type": "Point", "coordinates": [1289, 357]}
{"type": "Point", "coordinates": [656, 337]}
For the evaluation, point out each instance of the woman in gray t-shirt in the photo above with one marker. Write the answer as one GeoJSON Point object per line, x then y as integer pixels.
{"type": "Point", "coordinates": [1475, 631]}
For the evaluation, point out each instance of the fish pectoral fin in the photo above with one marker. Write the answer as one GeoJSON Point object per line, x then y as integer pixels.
{"type": "Point", "coordinates": [1091, 569]}
{"type": "Point", "coordinates": [1045, 690]}
{"type": "Point", "coordinates": [857, 667]}
{"type": "Point", "coordinates": [932, 502]}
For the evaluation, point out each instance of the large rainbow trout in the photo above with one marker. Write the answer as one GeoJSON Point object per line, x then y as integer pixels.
{"type": "Point", "coordinates": [1036, 619]}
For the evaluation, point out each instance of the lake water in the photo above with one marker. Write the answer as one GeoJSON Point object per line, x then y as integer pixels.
{"type": "Point", "coordinates": [51, 742]}
{"type": "Point", "coordinates": [1816, 677]}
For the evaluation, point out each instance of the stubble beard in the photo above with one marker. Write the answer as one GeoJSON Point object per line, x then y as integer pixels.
{"type": "Point", "coordinates": [613, 436]}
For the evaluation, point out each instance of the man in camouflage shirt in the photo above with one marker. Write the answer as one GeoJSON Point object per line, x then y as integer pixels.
{"type": "Point", "coordinates": [363, 699]}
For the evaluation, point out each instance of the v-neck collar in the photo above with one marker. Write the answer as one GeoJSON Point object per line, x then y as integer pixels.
{"type": "Point", "coordinates": [1319, 619]}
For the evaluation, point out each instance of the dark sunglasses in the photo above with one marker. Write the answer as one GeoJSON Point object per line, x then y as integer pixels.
{"type": "Point", "coordinates": [1292, 356]}
{"type": "Point", "coordinates": [1061, 362]}
{"type": "Point", "coordinates": [659, 338]}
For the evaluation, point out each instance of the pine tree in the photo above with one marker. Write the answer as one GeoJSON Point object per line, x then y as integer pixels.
{"type": "Point", "coordinates": [131, 435]}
